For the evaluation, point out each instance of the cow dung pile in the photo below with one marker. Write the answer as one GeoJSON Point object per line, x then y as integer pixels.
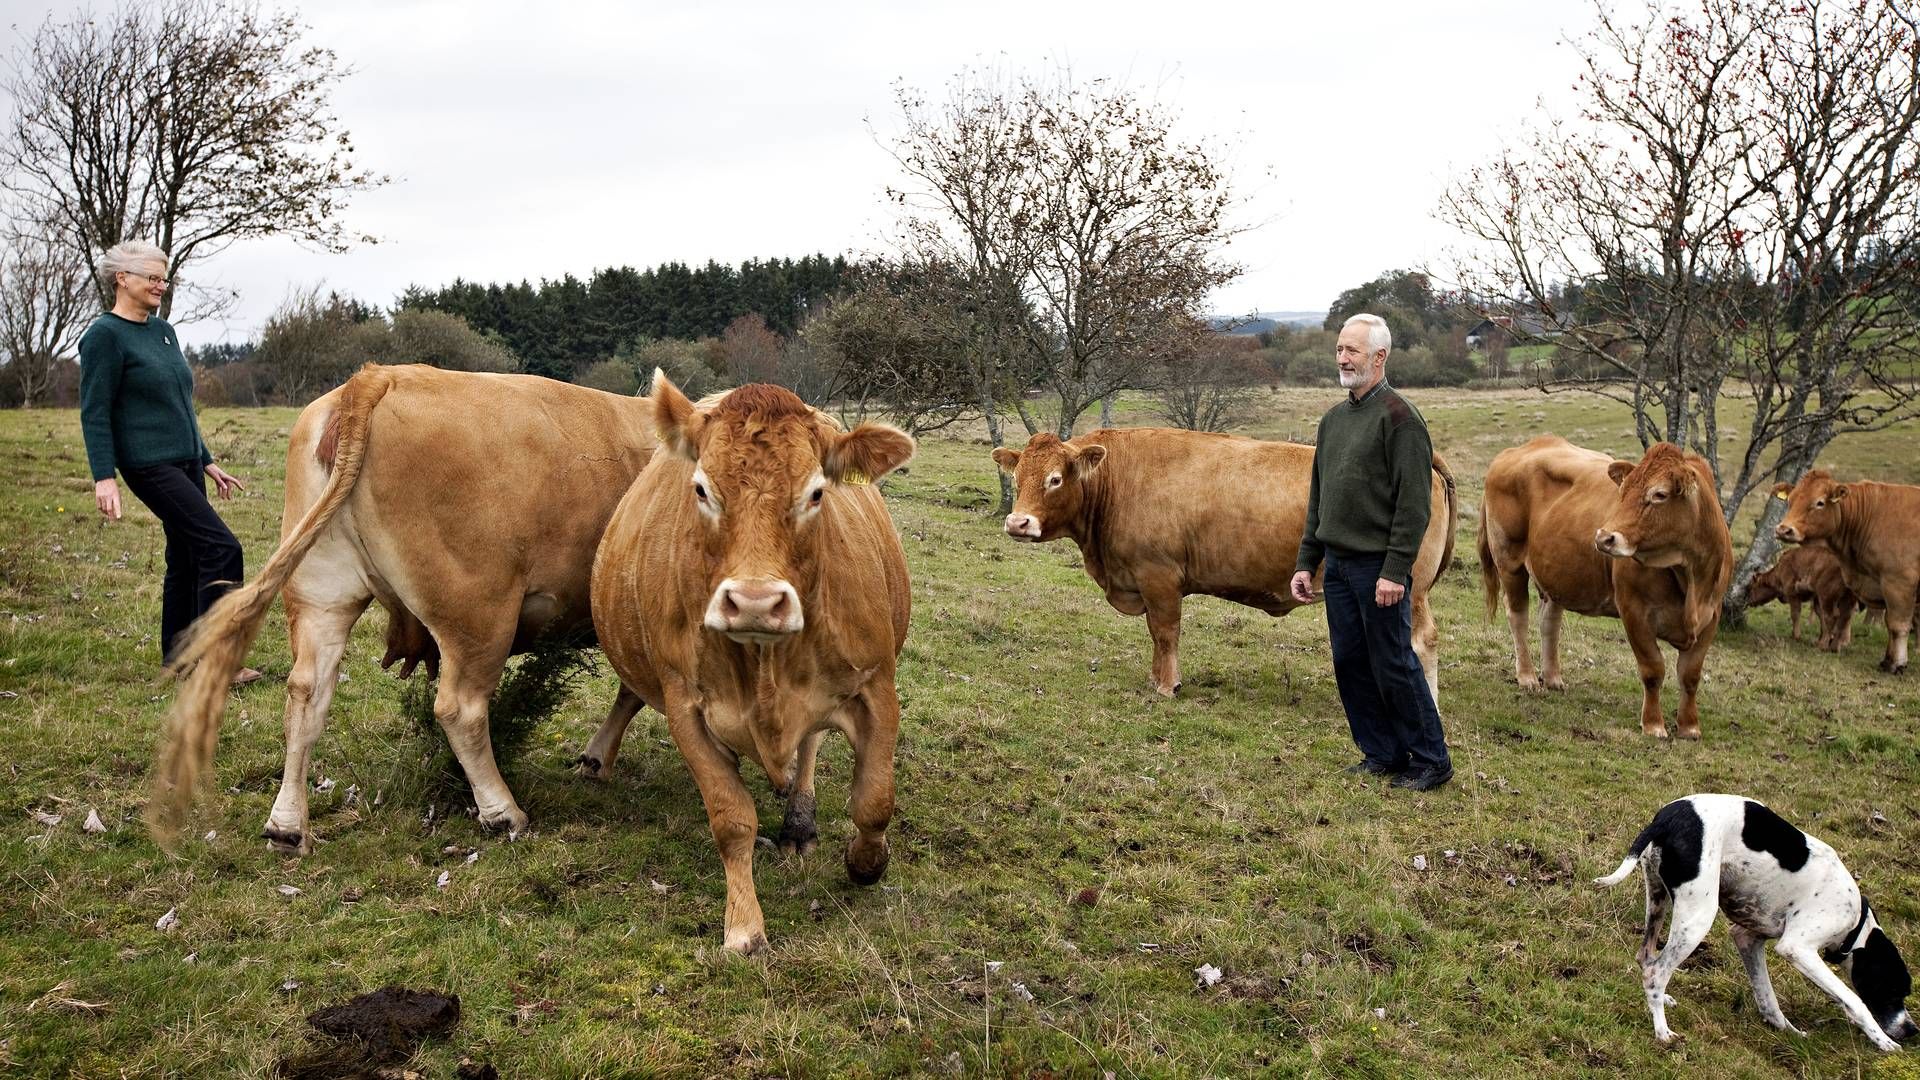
{"type": "Point", "coordinates": [362, 1036]}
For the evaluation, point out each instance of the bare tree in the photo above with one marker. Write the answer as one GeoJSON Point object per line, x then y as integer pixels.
{"type": "Point", "coordinates": [1085, 233]}
{"type": "Point", "coordinates": [753, 352]}
{"type": "Point", "coordinates": [46, 299]}
{"type": "Point", "coordinates": [902, 342]}
{"type": "Point", "coordinates": [1738, 201]}
{"type": "Point", "coordinates": [190, 123]}
{"type": "Point", "coordinates": [1212, 384]}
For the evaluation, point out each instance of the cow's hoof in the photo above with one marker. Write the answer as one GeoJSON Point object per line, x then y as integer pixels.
{"type": "Point", "coordinates": [1555, 682]}
{"type": "Point", "coordinates": [1166, 691]}
{"type": "Point", "coordinates": [588, 766]}
{"type": "Point", "coordinates": [1890, 667]}
{"type": "Point", "coordinates": [1528, 683]}
{"type": "Point", "coordinates": [1692, 733]}
{"type": "Point", "coordinates": [1654, 731]}
{"type": "Point", "coordinates": [287, 841]}
{"type": "Point", "coordinates": [866, 864]}
{"type": "Point", "coordinates": [513, 821]}
{"type": "Point", "coordinates": [748, 942]}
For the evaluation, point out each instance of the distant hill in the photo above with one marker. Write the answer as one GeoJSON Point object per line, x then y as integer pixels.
{"type": "Point", "coordinates": [1263, 321]}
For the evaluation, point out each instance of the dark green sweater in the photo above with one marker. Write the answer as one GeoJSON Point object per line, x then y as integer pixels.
{"type": "Point", "coordinates": [1372, 483]}
{"type": "Point", "coordinates": [136, 396]}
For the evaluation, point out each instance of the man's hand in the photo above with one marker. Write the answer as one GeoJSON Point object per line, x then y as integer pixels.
{"type": "Point", "coordinates": [1302, 586]}
{"type": "Point", "coordinates": [1388, 593]}
{"type": "Point", "coordinates": [106, 495]}
{"type": "Point", "coordinates": [223, 482]}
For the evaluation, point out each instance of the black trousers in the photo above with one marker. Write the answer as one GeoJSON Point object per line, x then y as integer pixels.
{"type": "Point", "coordinates": [1390, 711]}
{"type": "Point", "coordinates": [204, 561]}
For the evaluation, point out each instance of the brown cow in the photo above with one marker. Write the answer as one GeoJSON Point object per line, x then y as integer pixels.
{"type": "Point", "coordinates": [470, 506]}
{"type": "Point", "coordinates": [1813, 574]}
{"type": "Point", "coordinates": [1874, 530]}
{"type": "Point", "coordinates": [1162, 513]}
{"type": "Point", "coordinates": [752, 588]}
{"type": "Point", "coordinates": [1646, 543]}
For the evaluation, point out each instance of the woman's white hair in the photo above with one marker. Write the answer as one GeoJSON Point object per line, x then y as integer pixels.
{"type": "Point", "coordinates": [128, 256]}
{"type": "Point", "coordinates": [1379, 338]}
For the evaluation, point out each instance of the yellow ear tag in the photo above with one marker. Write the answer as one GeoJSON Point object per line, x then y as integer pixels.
{"type": "Point", "coordinates": [1782, 496]}
{"type": "Point", "coordinates": [853, 476]}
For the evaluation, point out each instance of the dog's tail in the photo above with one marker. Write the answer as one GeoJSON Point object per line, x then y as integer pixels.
{"type": "Point", "coordinates": [1632, 862]}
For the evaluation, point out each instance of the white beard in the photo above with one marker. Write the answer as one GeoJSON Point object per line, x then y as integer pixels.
{"type": "Point", "coordinates": [1351, 379]}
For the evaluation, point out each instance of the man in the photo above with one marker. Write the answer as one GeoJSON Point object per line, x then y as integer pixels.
{"type": "Point", "coordinates": [1366, 513]}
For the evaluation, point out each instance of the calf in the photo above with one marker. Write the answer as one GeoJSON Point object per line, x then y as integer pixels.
{"type": "Point", "coordinates": [1805, 574]}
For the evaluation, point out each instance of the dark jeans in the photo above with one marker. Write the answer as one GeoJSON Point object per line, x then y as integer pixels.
{"type": "Point", "coordinates": [1389, 708]}
{"type": "Point", "coordinates": [204, 560]}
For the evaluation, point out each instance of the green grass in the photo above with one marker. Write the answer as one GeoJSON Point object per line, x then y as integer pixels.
{"type": "Point", "coordinates": [1034, 765]}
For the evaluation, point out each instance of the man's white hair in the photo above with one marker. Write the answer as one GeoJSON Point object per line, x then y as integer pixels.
{"type": "Point", "coordinates": [128, 256]}
{"type": "Point", "coordinates": [1379, 338]}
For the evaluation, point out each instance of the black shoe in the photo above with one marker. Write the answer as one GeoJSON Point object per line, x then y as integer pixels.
{"type": "Point", "coordinates": [1424, 779]}
{"type": "Point", "coordinates": [1374, 768]}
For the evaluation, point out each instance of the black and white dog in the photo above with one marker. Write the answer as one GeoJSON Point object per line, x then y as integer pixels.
{"type": "Point", "coordinates": [1708, 852]}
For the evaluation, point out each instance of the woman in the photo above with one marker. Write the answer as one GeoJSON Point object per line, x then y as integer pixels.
{"type": "Point", "coordinates": [136, 411]}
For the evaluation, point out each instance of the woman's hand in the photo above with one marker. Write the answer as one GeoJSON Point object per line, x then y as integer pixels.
{"type": "Point", "coordinates": [223, 482]}
{"type": "Point", "coordinates": [106, 495]}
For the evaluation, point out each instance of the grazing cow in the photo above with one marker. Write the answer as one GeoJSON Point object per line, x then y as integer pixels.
{"type": "Point", "coordinates": [1805, 574]}
{"type": "Point", "coordinates": [1871, 528]}
{"type": "Point", "coordinates": [752, 588]}
{"type": "Point", "coordinates": [1645, 543]}
{"type": "Point", "coordinates": [1160, 514]}
{"type": "Point", "coordinates": [469, 506]}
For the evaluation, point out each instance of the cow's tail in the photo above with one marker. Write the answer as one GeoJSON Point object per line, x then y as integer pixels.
{"type": "Point", "coordinates": [1489, 573]}
{"type": "Point", "coordinates": [1632, 862]}
{"type": "Point", "coordinates": [1453, 518]}
{"type": "Point", "coordinates": [216, 644]}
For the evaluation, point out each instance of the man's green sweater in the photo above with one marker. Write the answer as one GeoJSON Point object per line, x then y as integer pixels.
{"type": "Point", "coordinates": [136, 396]}
{"type": "Point", "coordinates": [1372, 483]}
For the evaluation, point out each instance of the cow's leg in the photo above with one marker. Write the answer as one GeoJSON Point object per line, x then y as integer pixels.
{"type": "Point", "coordinates": [730, 814]}
{"type": "Point", "coordinates": [1753, 954]}
{"type": "Point", "coordinates": [470, 667]}
{"type": "Point", "coordinates": [596, 761]}
{"type": "Point", "coordinates": [1653, 671]}
{"type": "Point", "coordinates": [1793, 605]}
{"type": "Point", "coordinates": [1514, 585]}
{"type": "Point", "coordinates": [1550, 618]}
{"type": "Point", "coordinates": [1426, 643]}
{"type": "Point", "coordinates": [1163, 622]}
{"type": "Point", "coordinates": [1692, 663]}
{"type": "Point", "coordinates": [1900, 604]}
{"type": "Point", "coordinates": [876, 727]}
{"type": "Point", "coordinates": [798, 835]}
{"type": "Point", "coordinates": [318, 635]}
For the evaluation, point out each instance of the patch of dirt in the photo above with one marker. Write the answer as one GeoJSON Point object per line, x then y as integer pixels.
{"type": "Point", "coordinates": [364, 1035]}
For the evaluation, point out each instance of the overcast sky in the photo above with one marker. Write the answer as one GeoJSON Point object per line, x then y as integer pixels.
{"type": "Point", "coordinates": [532, 140]}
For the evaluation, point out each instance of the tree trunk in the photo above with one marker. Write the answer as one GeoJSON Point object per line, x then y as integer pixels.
{"type": "Point", "coordinates": [996, 434]}
{"type": "Point", "coordinates": [1106, 411]}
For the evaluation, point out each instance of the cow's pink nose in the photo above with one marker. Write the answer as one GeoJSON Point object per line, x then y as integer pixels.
{"type": "Point", "coordinates": [1022, 525]}
{"type": "Point", "coordinates": [1606, 541]}
{"type": "Point", "coordinates": [764, 606]}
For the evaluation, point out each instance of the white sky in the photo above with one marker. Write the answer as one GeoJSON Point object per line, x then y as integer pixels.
{"type": "Point", "coordinates": [531, 140]}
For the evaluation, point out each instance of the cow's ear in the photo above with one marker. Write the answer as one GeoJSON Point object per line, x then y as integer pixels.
{"type": "Point", "coordinates": [1839, 492]}
{"type": "Point", "coordinates": [1617, 472]}
{"type": "Point", "coordinates": [1782, 491]}
{"type": "Point", "coordinates": [675, 421]}
{"type": "Point", "coordinates": [1008, 460]}
{"type": "Point", "coordinates": [866, 454]}
{"type": "Point", "coordinates": [1089, 459]}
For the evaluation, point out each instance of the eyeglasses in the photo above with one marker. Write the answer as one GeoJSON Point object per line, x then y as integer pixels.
{"type": "Point", "coordinates": [152, 279]}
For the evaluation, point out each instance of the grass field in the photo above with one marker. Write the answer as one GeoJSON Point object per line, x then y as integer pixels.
{"type": "Point", "coordinates": [1069, 847]}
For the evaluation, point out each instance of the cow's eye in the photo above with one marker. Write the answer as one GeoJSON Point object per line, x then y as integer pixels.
{"type": "Point", "coordinates": [1657, 496]}
{"type": "Point", "coordinates": [816, 496]}
{"type": "Point", "coordinates": [1053, 482]}
{"type": "Point", "coordinates": [700, 491]}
